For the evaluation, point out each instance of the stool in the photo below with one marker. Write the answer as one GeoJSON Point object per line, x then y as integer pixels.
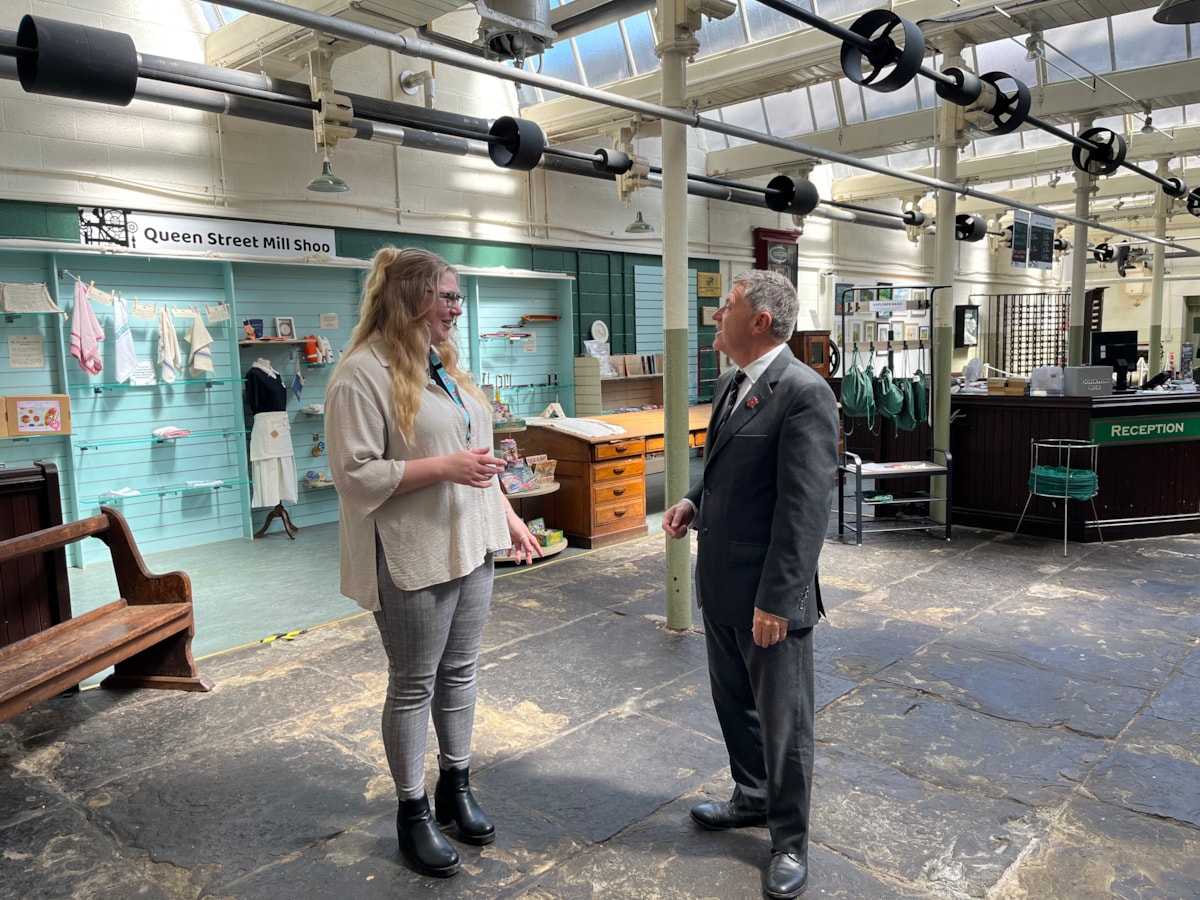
{"type": "Point", "coordinates": [1065, 469]}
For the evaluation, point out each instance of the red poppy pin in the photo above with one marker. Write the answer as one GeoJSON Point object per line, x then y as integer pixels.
{"type": "Point", "coordinates": [751, 403]}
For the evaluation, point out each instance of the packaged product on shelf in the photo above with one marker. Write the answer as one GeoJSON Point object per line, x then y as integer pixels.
{"type": "Point", "coordinates": [543, 471]}
{"type": "Point", "coordinates": [517, 477]}
{"type": "Point", "coordinates": [549, 537]}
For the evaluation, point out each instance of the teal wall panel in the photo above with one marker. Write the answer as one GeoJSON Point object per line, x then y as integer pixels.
{"type": "Point", "coordinates": [39, 221]}
{"type": "Point", "coordinates": [648, 307]}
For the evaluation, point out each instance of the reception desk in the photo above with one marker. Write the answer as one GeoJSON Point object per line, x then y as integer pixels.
{"type": "Point", "coordinates": [1148, 463]}
{"type": "Point", "coordinates": [603, 495]}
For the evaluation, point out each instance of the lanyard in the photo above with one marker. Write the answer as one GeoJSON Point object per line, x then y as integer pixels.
{"type": "Point", "coordinates": [442, 378]}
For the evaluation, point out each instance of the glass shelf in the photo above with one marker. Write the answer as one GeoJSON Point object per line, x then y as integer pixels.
{"type": "Point", "coordinates": [9, 316]}
{"type": "Point", "coordinates": [531, 388]}
{"type": "Point", "coordinates": [167, 490]}
{"type": "Point", "coordinates": [507, 338]}
{"type": "Point", "coordinates": [95, 445]}
{"type": "Point", "coordinates": [33, 437]}
{"type": "Point", "coordinates": [125, 386]}
{"type": "Point", "coordinates": [309, 365]}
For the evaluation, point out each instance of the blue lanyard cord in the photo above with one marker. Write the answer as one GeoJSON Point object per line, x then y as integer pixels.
{"type": "Point", "coordinates": [443, 379]}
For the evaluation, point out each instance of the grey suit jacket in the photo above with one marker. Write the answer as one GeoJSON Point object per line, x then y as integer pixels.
{"type": "Point", "coordinates": [763, 500]}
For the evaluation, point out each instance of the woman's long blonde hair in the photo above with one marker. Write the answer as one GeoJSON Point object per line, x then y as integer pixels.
{"type": "Point", "coordinates": [400, 297]}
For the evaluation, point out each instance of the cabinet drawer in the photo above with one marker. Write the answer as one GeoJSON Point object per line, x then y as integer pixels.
{"type": "Point", "coordinates": [615, 449]}
{"type": "Point", "coordinates": [610, 491]}
{"type": "Point", "coordinates": [618, 515]}
{"type": "Point", "coordinates": [656, 444]}
{"type": "Point", "coordinates": [619, 469]}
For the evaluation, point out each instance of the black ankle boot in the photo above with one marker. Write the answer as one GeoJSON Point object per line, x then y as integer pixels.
{"type": "Point", "coordinates": [425, 848]}
{"type": "Point", "coordinates": [455, 803]}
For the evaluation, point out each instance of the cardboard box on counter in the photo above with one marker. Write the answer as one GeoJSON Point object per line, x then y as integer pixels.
{"type": "Point", "coordinates": [38, 414]}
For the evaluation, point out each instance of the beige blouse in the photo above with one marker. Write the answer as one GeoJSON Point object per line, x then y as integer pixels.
{"type": "Point", "coordinates": [429, 536]}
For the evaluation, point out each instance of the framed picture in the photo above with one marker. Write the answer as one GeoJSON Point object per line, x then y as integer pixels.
{"type": "Point", "coordinates": [901, 294]}
{"type": "Point", "coordinates": [923, 333]}
{"type": "Point", "coordinates": [966, 326]}
{"type": "Point", "coordinates": [855, 332]}
{"type": "Point", "coordinates": [868, 332]}
{"type": "Point", "coordinates": [911, 331]}
{"type": "Point", "coordinates": [867, 295]}
{"type": "Point", "coordinates": [285, 327]}
{"type": "Point", "coordinates": [918, 297]}
{"type": "Point", "coordinates": [885, 292]}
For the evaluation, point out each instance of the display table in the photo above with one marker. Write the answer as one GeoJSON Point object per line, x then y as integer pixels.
{"type": "Point", "coordinates": [603, 495]}
{"type": "Point", "coordinates": [852, 465]}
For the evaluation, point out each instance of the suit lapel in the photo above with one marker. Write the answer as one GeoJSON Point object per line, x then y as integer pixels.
{"type": "Point", "coordinates": [754, 403]}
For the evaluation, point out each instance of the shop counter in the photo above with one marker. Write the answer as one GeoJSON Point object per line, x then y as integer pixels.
{"type": "Point", "coordinates": [1148, 462]}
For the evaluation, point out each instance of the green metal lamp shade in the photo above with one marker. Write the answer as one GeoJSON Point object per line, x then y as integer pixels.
{"type": "Point", "coordinates": [639, 226]}
{"type": "Point", "coordinates": [327, 182]}
{"type": "Point", "coordinates": [1178, 12]}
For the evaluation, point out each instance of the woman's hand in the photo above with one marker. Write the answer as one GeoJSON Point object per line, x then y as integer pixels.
{"type": "Point", "coordinates": [525, 545]}
{"type": "Point", "coordinates": [474, 468]}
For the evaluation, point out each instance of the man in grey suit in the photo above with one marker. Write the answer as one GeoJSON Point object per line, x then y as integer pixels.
{"type": "Point", "coordinates": [761, 510]}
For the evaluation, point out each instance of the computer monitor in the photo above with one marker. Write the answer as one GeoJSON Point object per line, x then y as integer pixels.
{"type": "Point", "coordinates": [1117, 349]}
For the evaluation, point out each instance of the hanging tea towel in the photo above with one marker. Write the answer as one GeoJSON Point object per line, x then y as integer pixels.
{"type": "Point", "coordinates": [168, 346]}
{"type": "Point", "coordinates": [200, 342]}
{"type": "Point", "coordinates": [86, 333]}
{"type": "Point", "coordinates": [127, 359]}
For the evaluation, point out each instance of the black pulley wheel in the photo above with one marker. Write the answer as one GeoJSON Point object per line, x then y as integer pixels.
{"type": "Point", "coordinates": [77, 61]}
{"type": "Point", "coordinates": [969, 228]}
{"type": "Point", "coordinates": [797, 196]}
{"type": "Point", "coordinates": [1175, 187]}
{"type": "Point", "coordinates": [1108, 155]}
{"type": "Point", "coordinates": [885, 65]}
{"type": "Point", "coordinates": [612, 161]}
{"type": "Point", "coordinates": [1011, 109]}
{"type": "Point", "coordinates": [1193, 203]}
{"type": "Point", "coordinates": [519, 145]}
{"type": "Point", "coordinates": [966, 88]}
{"type": "Point", "coordinates": [835, 359]}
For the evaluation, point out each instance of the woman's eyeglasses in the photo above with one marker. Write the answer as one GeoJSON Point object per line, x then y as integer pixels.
{"type": "Point", "coordinates": [452, 298]}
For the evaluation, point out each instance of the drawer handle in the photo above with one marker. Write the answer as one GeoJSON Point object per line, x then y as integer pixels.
{"type": "Point", "coordinates": [620, 448]}
{"type": "Point", "coordinates": [619, 512]}
{"type": "Point", "coordinates": [617, 492]}
{"type": "Point", "coordinates": [618, 470]}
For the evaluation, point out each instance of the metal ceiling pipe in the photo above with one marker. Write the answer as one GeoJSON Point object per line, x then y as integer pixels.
{"type": "Point", "coordinates": [367, 107]}
{"type": "Point", "coordinates": [273, 9]}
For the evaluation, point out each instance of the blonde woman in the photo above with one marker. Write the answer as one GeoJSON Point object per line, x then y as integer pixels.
{"type": "Point", "coordinates": [421, 513]}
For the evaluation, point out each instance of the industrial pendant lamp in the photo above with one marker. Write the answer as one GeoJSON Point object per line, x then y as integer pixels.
{"type": "Point", "coordinates": [639, 226]}
{"type": "Point", "coordinates": [1178, 12]}
{"type": "Point", "coordinates": [327, 182]}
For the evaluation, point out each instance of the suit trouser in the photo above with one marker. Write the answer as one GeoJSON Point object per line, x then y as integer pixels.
{"type": "Point", "coordinates": [431, 637]}
{"type": "Point", "coordinates": [764, 702]}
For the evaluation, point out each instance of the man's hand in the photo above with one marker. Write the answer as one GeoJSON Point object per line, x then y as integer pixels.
{"type": "Point", "coordinates": [768, 629]}
{"type": "Point", "coordinates": [676, 520]}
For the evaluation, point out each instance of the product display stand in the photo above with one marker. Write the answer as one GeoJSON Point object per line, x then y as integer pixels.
{"type": "Point", "coordinates": [279, 512]}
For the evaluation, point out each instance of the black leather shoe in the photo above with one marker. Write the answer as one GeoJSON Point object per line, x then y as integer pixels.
{"type": "Point", "coordinates": [787, 877]}
{"type": "Point", "coordinates": [721, 814]}
{"type": "Point", "coordinates": [423, 846]}
{"type": "Point", "coordinates": [455, 804]}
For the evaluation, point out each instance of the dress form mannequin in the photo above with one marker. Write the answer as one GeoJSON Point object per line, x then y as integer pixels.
{"type": "Point", "coordinates": [272, 459]}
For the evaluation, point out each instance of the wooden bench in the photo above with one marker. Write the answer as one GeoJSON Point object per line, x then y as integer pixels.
{"type": "Point", "coordinates": [146, 635]}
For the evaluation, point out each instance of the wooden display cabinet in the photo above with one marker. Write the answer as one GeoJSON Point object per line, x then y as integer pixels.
{"type": "Point", "coordinates": [812, 348]}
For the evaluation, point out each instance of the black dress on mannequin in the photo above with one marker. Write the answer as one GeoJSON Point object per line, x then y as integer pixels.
{"type": "Point", "coordinates": [272, 459]}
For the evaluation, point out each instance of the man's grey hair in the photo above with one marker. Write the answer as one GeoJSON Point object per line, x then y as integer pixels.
{"type": "Point", "coordinates": [770, 292]}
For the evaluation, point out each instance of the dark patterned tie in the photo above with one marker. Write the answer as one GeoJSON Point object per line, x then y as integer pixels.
{"type": "Point", "coordinates": [730, 401]}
